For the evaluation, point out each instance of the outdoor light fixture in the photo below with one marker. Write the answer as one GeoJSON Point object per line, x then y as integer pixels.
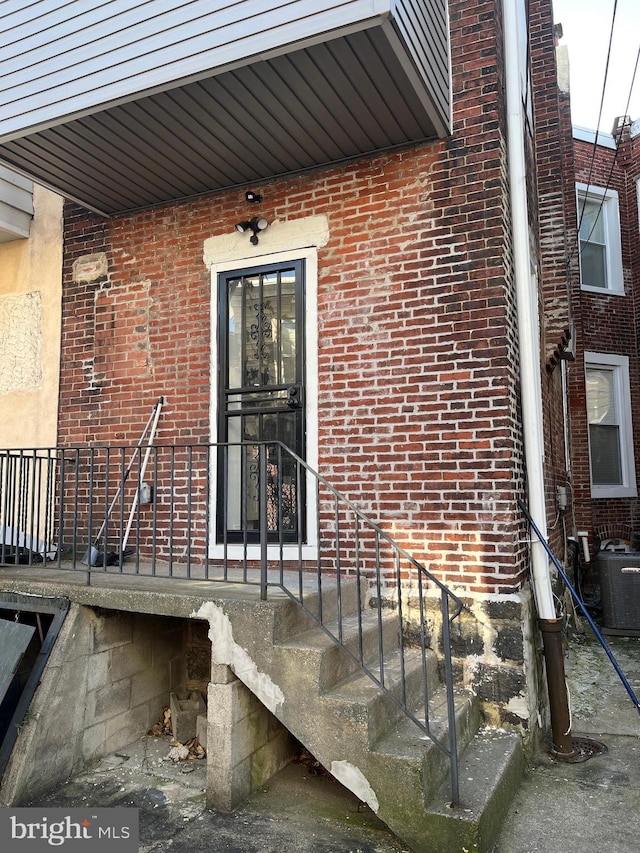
{"type": "Point", "coordinates": [255, 225]}
{"type": "Point", "coordinates": [253, 198]}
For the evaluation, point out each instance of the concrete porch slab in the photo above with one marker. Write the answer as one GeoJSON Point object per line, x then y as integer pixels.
{"type": "Point", "coordinates": [143, 592]}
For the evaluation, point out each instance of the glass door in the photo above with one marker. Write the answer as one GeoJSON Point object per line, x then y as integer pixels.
{"type": "Point", "coordinates": [261, 399]}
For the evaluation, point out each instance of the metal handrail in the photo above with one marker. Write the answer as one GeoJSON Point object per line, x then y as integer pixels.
{"type": "Point", "coordinates": [423, 575]}
{"type": "Point", "coordinates": [262, 530]}
{"type": "Point", "coordinates": [581, 606]}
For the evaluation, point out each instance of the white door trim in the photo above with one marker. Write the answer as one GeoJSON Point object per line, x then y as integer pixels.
{"type": "Point", "coordinates": [226, 253]}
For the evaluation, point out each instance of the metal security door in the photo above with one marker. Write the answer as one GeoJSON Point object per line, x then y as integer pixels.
{"type": "Point", "coordinates": [261, 382]}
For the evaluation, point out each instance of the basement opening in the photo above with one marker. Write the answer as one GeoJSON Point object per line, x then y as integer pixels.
{"type": "Point", "coordinates": [29, 626]}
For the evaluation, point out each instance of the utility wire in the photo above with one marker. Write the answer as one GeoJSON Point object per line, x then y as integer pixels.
{"type": "Point", "coordinates": [613, 164]}
{"type": "Point", "coordinates": [626, 113]}
{"type": "Point", "coordinates": [595, 141]}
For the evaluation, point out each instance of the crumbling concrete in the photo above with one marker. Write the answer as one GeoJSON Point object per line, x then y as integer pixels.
{"type": "Point", "coordinates": [185, 710]}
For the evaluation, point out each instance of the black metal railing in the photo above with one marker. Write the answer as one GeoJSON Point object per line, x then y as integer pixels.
{"type": "Point", "coordinates": [252, 513]}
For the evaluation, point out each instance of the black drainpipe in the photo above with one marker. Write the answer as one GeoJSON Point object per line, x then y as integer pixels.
{"type": "Point", "coordinates": [558, 702]}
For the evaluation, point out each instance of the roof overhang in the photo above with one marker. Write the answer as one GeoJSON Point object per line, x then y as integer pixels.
{"type": "Point", "coordinates": [119, 137]}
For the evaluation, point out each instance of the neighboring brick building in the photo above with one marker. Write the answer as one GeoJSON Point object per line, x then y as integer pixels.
{"type": "Point", "coordinates": [605, 411]}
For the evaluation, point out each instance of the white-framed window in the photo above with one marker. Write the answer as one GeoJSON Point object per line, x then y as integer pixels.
{"type": "Point", "coordinates": [610, 429]}
{"type": "Point", "coordinates": [600, 247]}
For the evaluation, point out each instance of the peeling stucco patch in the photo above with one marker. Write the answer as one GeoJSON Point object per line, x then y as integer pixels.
{"type": "Point", "coordinates": [226, 651]}
{"type": "Point", "coordinates": [20, 341]}
{"type": "Point", "coordinates": [354, 779]}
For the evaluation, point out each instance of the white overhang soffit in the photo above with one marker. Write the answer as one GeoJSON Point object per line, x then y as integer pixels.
{"type": "Point", "coordinates": [121, 104]}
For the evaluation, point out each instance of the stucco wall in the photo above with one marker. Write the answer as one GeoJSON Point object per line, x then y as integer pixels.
{"type": "Point", "coordinates": [30, 316]}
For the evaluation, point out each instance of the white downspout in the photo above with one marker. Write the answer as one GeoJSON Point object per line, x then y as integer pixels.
{"type": "Point", "coordinates": [528, 321]}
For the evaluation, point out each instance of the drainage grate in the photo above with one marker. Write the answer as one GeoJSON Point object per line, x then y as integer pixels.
{"type": "Point", "coordinates": [583, 748]}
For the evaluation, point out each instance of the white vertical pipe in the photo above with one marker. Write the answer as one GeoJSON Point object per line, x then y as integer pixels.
{"type": "Point", "coordinates": [528, 321]}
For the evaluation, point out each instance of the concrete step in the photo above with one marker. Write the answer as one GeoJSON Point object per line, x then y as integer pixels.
{"type": "Point", "coordinates": [325, 663]}
{"type": "Point", "coordinates": [361, 735]}
{"type": "Point", "coordinates": [416, 778]}
{"type": "Point", "coordinates": [371, 711]}
{"type": "Point", "coordinates": [281, 617]}
{"type": "Point", "coordinates": [490, 772]}
{"type": "Point", "coordinates": [406, 745]}
{"type": "Point", "coordinates": [407, 772]}
{"type": "Point", "coordinates": [326, 602]}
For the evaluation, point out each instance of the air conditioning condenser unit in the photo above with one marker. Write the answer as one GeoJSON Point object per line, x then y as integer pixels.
{"type": "Point", "coordinates": [620, 593]}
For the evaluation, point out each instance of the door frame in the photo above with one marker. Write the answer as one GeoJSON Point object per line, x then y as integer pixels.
{"type": "Point", "coordinates": [309, 257]}
{"type": "Point", "coordinates": [244, 394]}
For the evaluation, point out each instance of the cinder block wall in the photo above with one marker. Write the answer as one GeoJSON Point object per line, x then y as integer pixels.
{"type": "Point", "coordinates": [136, 661]}
{"type": "Point", "coordinates": [105, 683]}
{"type": "Point", "coordinates": [246, 744]}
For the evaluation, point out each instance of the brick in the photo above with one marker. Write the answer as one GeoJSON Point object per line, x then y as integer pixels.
{"type": "Point", "coordinates": [418, 355]}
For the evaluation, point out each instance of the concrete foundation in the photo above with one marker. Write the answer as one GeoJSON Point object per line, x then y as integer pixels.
{"type": "Point", "coordinates": [273, 677]}
{"type": "Point", "coordinates": [108, 678]}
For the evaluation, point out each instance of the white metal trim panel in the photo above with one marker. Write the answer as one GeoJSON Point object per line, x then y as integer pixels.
{"type": "Point", "coordinates": [424, 30]}
{"type": "Point", "coordinates": [65, 59]}
{"type": "Point", "coordinates": [322, 105]}
{"type": "Point", "coordinates": [16, 205]}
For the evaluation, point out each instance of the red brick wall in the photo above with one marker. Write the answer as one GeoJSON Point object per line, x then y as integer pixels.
{"type": "Point", "coordinates": [608, 324]}
{"type": "Point", "coordinates": [418, 359]}
{"type": "Point", "coordinates": [556, 230]}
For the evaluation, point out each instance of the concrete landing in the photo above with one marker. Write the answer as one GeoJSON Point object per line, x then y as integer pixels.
{"type": "Point", "coordinates": [593, 806]}
{"type": "Point", "coordinates": [297, 812]}
{"type": "Point", "coordinates": [135, 593]}
{"type": "Point", "coordinates": [579, 808]}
